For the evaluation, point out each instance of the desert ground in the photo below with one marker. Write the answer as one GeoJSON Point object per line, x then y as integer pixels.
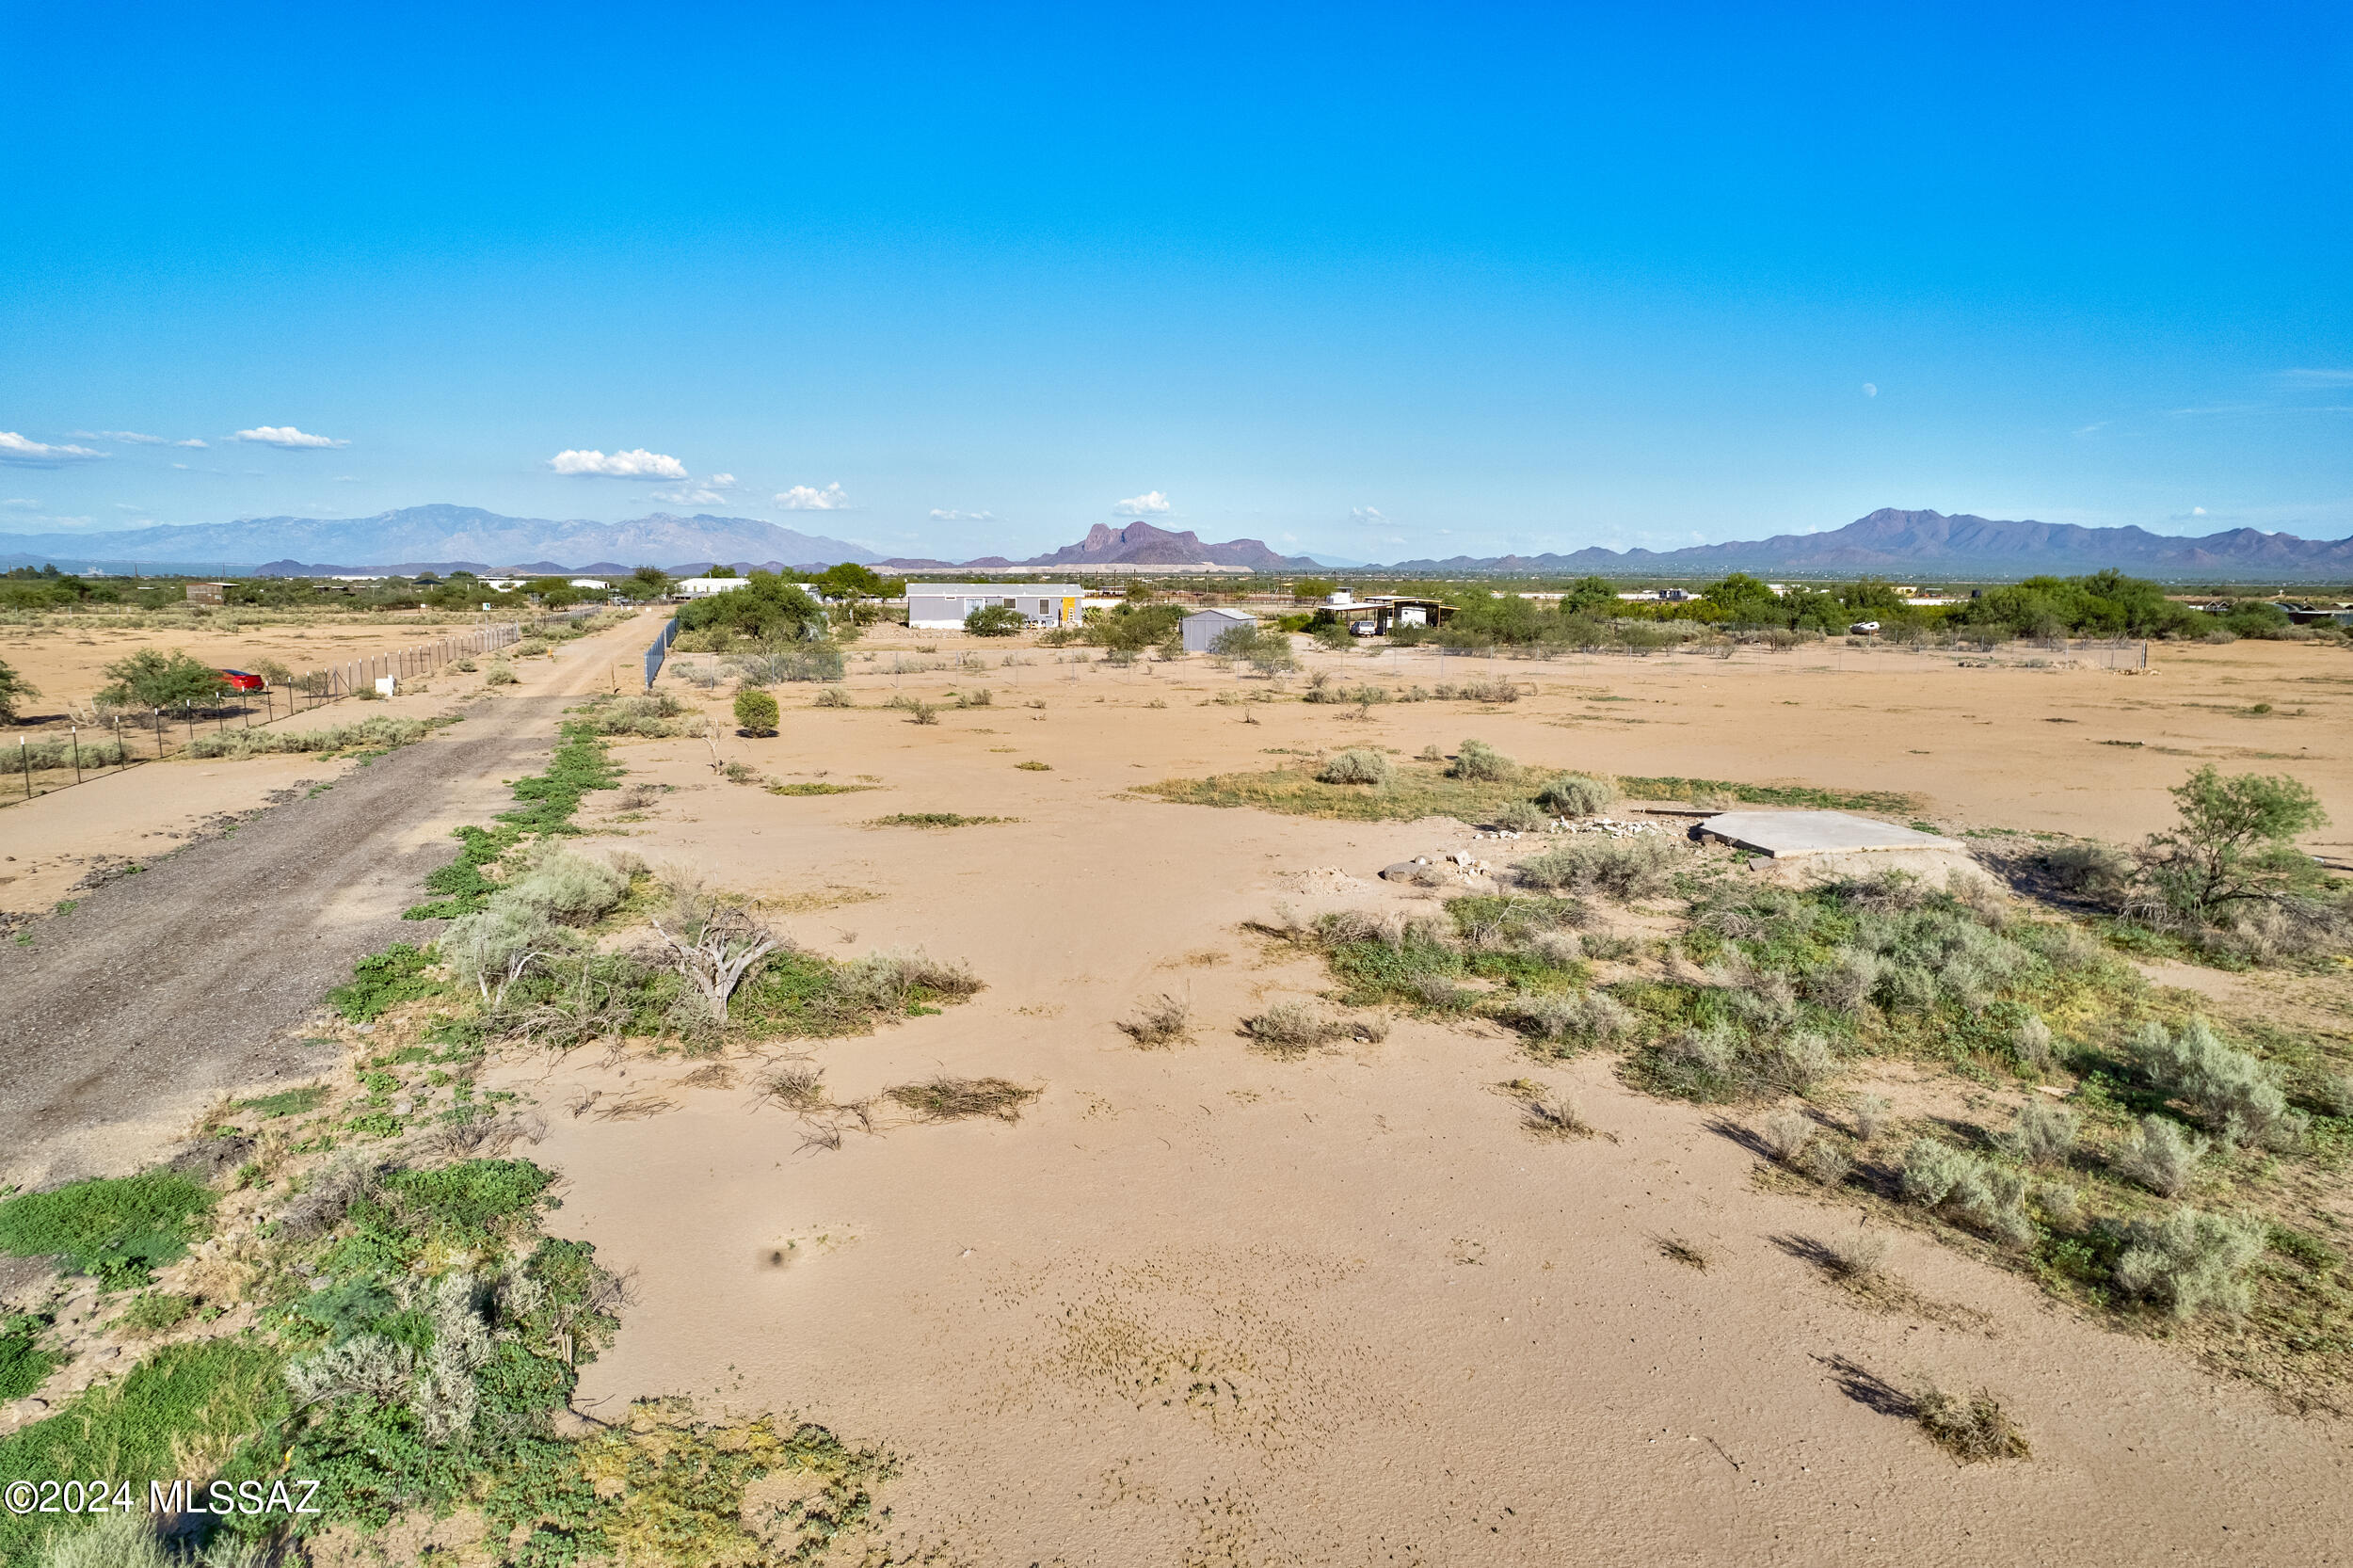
{"type": "Point", "coordinates": [1207, 1304]}
{"type": "Point", "coordinates": [1199, 1305]}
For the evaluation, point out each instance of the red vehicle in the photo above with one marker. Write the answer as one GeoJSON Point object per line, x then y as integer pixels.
{"type": "Point", "coordinates": [241, 682]}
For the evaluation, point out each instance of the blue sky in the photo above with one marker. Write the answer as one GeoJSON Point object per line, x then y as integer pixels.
{"type": "Point", "coordinates": [1363, 280]}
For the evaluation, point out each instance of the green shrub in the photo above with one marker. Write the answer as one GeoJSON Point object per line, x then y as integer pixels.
{"type": "Point", "coordinates": [500, 674]}
{"type": "Point", "coordinates": [994, 621]}
{"type": "Point", "coordinates": [2232, 1091]}
{"type": "Point", "coordinates": [151, 679]}
{"type": "Point", "coordinates": [1481, 763]}
{"type": "Point", "coordinates": [755, 711]}
{"type": "Point", "coordinates": [116, 1228]}
{"type": "Point", "coordinates": [2190, 1261]}
{"type": "Point", "coordinates": [14, 689]}
{"type": "Point", "coordinates": [1357, 765]}
{"type": "Point", "coordinates": [1521, 816]}
{"type": "Point", "coordinates": [1981, 1196]}
{"type": "Point", "coordinates": [1578, 794]}
{"type": "Point", "coordinates": [2043, 1134]}
{"type": "Point", "coordinates": [2236, 843]}
{"type": "Point", "coordinates": [834, 697]}
{"type": "Point", "coordinates": [2159, 1156]}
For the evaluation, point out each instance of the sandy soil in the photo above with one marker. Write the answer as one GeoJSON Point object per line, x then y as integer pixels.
{"type": "Point", "coordinates": [1202, 1306]}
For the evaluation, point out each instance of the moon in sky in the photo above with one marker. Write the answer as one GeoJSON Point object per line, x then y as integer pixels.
{"type": "Point", "coordinates": [1870, 388]}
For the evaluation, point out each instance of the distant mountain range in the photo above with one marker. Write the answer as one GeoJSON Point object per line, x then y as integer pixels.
{"type": "Point", "coordinates": [1139, 544]}
{"type": "Point", "coordinates": [1930, 544]}
{"type": "Point", "coordinates": [440, 537]}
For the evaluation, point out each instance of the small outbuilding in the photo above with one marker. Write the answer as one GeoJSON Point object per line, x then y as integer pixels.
{"type": "Point", "coordinates": [1203, 628]}
{"type": "Point", "coordinates": [208, 593]}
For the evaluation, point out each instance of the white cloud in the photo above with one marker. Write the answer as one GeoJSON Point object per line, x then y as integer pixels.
{"type": "Point", "coordinates": [128, 506]}
{"type": "Point", "coordinates": [636, 463]}
{"type": "Point", "coordinates": [940, 514]}
{"type": "Point", "coordinates": [2318, 378]}
{"type": "Point", "coordinates": [30, 454]}
{"type": "Point", "coordinates": [1372, 517]}
{"type": "Point", "coordinates": [801, 498]}
{"type": "Point", "coordinates": [130, 436]}
{"type": "Point", "coordinates": [286, 437]}
{"type": "Point", "coordinates": [193, 441]}
{"type": "Point", "coordinates": [1870, 389]}
{"type": "Point", "coordinates": [1150, 503]}
{"type": "Point", "coordinates": [20, 503]}
{"type": "Point", "coordinates": [2198, 511]}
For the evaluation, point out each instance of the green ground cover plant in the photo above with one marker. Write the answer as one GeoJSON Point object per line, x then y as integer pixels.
{"type": "Point", "coordinates": [546, 804]}
{"type": "Point", "coordinates": [116, 1228]}
{"type": "Point", "coordinates": [371, 734]}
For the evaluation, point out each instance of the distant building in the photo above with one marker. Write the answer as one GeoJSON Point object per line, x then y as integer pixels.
{"type": "Point", "coordinates": [942, 606]}
{"type": "Point", "coordinates": [208, 593]}
{"type": "Point", "coordinates": [591, 583]}
{"type": "Point", "coordinates": [1203, 628]}
{"type": "Point", "coordinates": [703, 587]}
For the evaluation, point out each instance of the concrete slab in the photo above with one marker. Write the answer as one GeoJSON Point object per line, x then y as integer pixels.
{"type": "Point", "coordinates": [1784, 835]}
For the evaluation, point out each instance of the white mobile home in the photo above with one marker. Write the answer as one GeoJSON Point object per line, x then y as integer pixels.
{"type": "Point", "coordinates": [942, 606]}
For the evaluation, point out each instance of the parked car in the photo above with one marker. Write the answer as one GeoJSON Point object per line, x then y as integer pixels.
{"type": "Point", "coordinates": [1364, 628]}
{"type": "Point", "coordinates": [239, 680]}
{"type": "Point", "coordinates": [1864, 629]}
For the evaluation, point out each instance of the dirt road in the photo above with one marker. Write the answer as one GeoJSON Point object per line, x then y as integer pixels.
{"type": "Point", "coordinates": [160, 991]}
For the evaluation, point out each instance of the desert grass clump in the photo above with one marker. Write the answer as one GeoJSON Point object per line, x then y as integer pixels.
{"type": "Point", "coordinates": [2043, 1134]}
{"type": "Point", "coordinates": [949, 1099]}
{"type": "Point", "coordinates": [1356, 765]}
{"type": "Point", "coordinates": [1567, 1021]}
{"type": "Point", "coordinates": [1857, 1257]}
{"type": "Point", "coordinates": [500, 673]}
{"type": "Point", "coordinates": [1553, 1116]}
{"type": "Point", "coordinates": [795, 1087]}
{"type": "Point", "coordinates": [1684, 1252]}
{"type": "Point", "coordinates": [2232, 1091]}
{"type": "Point", "coordinates": [2030, 1042]}
{"type": "Point", "coordinates": [834, 696]}
{"type": "Point", "coordinates": [1621, 869]}
{"type": "Point", "coordinates": [1786, 1134]}
{"type": "Point", "coordinates": [1578, 794]}
{"type": "Point", "coordinates": [2190, 1261]}
{"type": "Point", "coordinates": [1870, 1115]}
{"type": "Point", "coordinates": [2159, 1155]}
{"type": "Point", "coordinates": [1481, 763]}
{"type": "Point", "coordinates": [1160, 1022]}
{"type": "Point", "coordinates": [1844, 984]}
{"type": "Point", "coordinates": [1290, 1028]}
{"type": "Point", "coordinates": [1825, 1163]}
{"type": "Point", "coordinates": [1974, 1429]}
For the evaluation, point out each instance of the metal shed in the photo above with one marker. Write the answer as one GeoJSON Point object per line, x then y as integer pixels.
{"type": "Point", "coordinates": [1204, 627]}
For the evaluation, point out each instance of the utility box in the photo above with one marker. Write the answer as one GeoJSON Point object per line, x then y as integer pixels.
{"type": "Point", "coordinates": [388, 685]}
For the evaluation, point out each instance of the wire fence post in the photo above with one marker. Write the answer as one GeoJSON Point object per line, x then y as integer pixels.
{"type": "Point", "coordinates": [76, 737]}
{"type": "Point", "coordinates": [24, 765]}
